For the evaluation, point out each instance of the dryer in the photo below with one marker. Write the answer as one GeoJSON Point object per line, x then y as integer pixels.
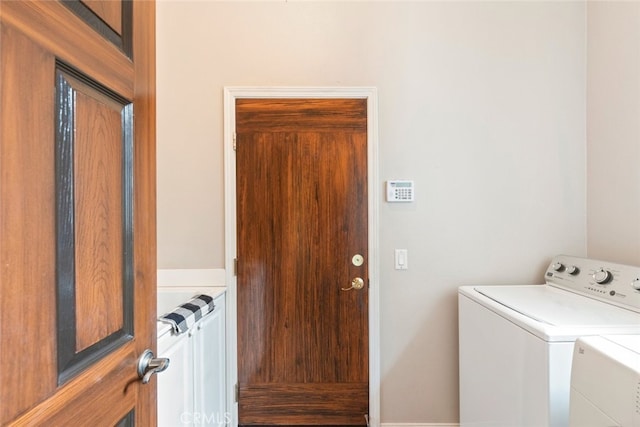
{"type": "Point", "coordinates": [605, 382]}
{"type": "Point", "coordinates": [516, 342]}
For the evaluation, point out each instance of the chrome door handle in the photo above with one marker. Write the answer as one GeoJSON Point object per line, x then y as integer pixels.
{"type": "Point", "coordinates": [149, 365]}
{"type": "Point", "coordinates": [356, 283]}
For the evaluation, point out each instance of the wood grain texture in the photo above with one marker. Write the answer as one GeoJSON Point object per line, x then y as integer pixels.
{"type": "Point", "coordinates": [34, 35]}
{"type": "Point", "coordinates": [101, 397]}
{"type": "Point", "coordinates": [301, 403]}
{"type": "Point", "coordinates": [99, 240]}
{"type": "Point", "coordinates": [144, 213]}
{"type": "Point", "coordinates": [27, 240]}
{"type": "Point", "coordinates": [109, 11]}
{"type": "Point", "coordinates": [111, 20]}
{"type": "Point", "coordinates": [86, 186]}
{"type": "Point", "coordinates": [295, 114]}
{"type": "Point", "coordinates": [39, 20]}
{"type": "Point", "coordinates": [302, 215]}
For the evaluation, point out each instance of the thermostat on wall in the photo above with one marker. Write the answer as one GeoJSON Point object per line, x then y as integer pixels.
{"type": "Point", "coordinates": [400, 191]}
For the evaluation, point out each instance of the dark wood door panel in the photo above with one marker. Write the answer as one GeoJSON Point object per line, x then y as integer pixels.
{"type": "Point", "coordinates": [296, 258]}
{"type": "Point", "coordinates": [294, 115]}
{"type": "Point", "coordinates": [304, 403]}
{"type": "Point", "coordinates": [302, 216]}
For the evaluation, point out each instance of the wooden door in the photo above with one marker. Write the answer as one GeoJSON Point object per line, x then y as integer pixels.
{"type": "Point", "coordinates": [302, 218]}
{"type": "Point", "coordinates": [77, 181]}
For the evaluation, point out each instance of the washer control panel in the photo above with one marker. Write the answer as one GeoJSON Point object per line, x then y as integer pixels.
{"type": "Point", "coordinates": [613, 283]}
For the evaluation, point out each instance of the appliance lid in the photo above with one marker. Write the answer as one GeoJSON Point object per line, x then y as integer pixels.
{"type": "Point", "coordinates": [557, 307]}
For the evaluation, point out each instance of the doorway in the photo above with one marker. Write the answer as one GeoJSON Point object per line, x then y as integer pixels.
{"type": "Point", "coordinates": [242, 104]}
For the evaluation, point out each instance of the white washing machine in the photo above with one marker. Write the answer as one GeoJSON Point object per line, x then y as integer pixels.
{"type": "Point", "coordinates": [605, 382]}
{"type": "Point", "coordinates": [516, 342]}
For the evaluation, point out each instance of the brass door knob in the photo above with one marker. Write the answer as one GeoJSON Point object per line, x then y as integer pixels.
{"type": "Point", "coordinates": [357, 283]}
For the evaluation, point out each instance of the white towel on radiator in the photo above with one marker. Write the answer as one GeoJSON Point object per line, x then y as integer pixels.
{"type": "Point", "coordinates": [186, 315]}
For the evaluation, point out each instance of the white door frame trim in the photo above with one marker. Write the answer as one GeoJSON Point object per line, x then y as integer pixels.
{"type": "Point", "coordinates": [231, 93]}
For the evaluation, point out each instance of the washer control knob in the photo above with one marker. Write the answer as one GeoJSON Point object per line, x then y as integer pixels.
{"type": "Point", "coordinates": [602, 276]}
{"type": "Point", "coordinates": [573, 270]}
{"type": "Point", "coordinates": [635, 284]}
{"type": "Point", "coordinates": [558, 266]}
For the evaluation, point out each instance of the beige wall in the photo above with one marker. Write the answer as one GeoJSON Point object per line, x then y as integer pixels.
{"type": "Point", "coordinates": [613, 131]}
{"type": "Point", "coordinates": [481, 103]}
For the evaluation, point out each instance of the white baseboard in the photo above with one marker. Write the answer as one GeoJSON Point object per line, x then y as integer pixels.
{"type": "Point", "coordinates": [192, 277]}
{"type": "Point", "coordinates": [419, 425]}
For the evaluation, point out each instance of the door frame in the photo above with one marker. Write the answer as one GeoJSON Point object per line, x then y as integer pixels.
{"type": "Point", "coordinates": [231, 93]}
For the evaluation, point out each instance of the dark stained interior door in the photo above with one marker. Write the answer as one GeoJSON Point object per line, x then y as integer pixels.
{"type": "Point", "coordinates": [301, 170]}
{"type": "Point", "coordinates": [77, 181]}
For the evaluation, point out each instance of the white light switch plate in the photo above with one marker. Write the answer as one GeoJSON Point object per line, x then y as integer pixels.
{"type": "Point", "coordinates": [402, 260]}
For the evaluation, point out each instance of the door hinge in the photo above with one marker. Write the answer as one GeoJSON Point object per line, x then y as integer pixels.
{"type": "Point", "coordinates": [235, 266]}
{"type": "Point", "coordinates": [237, 393]}
{"type": "Point", "coordinates": [234, 142]}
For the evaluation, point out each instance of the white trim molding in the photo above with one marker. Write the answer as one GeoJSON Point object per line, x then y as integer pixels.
{"type": "Point", "coordinates": [371, 95]}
